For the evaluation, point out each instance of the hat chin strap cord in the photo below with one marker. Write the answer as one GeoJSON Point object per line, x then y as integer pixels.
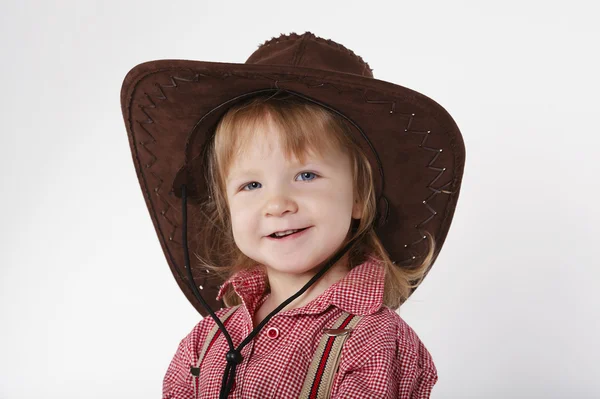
{"type": "Point", "coordinates": [234, 357]}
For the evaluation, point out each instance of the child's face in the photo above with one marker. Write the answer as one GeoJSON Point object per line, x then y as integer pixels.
{"type": "Point", "coordinates": [268, 193]}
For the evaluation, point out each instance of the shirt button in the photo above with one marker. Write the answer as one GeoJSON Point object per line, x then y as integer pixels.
{"type": "Point", "coordinates": [272, 332]}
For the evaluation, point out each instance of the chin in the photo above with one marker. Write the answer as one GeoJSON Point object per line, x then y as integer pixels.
{"type": "Point", "coordinates": [293, 265]}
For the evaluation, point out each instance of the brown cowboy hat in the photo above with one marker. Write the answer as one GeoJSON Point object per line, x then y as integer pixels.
{"type": "Point", "coordinates": [415, 149]}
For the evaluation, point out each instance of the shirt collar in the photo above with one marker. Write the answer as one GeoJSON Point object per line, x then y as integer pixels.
{"type": "Point", "coordinates": [360, 292]}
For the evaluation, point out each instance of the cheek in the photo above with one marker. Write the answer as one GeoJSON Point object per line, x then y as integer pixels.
{"type": "Point", "coordinates": [241, 221]}
{"type": "Point", "coordinates": [340, 201]}
{"type": "Point", "coordinates": [335, 209]}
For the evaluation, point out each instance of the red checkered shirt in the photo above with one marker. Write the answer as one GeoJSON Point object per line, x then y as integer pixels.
{"type": "Point", "coordinates": [382, 358]}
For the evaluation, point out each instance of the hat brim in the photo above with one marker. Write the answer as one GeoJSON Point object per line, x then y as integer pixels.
{"type": "Point", "coordinates": [414, 146]}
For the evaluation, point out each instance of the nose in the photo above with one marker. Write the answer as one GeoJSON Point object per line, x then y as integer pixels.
{"type": "Point", "coordinates": [278, 205]}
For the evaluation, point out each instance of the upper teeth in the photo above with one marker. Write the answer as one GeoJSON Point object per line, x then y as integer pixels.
{"type": "Point", "coordinates": [285, 233]}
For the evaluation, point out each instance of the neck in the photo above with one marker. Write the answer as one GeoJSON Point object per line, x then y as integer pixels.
{"type": "Point", "coordinates": [284, 285]}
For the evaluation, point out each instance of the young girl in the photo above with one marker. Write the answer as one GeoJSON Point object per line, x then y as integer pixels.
{"type": "Point", "coordinates": [319, 198]}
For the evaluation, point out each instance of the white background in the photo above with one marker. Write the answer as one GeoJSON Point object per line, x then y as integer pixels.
{"type": "Point", "coordinates": [88, 306]}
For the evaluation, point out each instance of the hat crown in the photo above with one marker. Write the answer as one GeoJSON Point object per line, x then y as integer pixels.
{"type": "Point", "coordinates": [310, 51]}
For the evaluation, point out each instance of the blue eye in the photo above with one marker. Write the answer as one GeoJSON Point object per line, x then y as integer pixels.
{"type": "Point", "coordinates": [306, 176]}
{"type": "Point", "coordinates": [253, 185]}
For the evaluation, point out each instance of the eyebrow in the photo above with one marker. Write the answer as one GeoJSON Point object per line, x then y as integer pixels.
{"type": "Point", "coordinates": [250, 173]}
{"type": "Point", "coordinates": [244, 174]}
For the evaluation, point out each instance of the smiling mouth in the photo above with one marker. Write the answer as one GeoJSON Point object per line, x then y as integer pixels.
{"type": "Point", "coordinates": [286, 233]}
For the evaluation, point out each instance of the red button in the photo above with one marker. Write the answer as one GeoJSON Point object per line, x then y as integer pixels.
{"type": "Point", "coordinates": [273, 332]}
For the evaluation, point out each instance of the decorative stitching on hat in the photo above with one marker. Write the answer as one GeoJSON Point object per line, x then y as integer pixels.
{"type": "Point", "coordinates": [174, 80]}
{"type": "Point", "coordinates": [392, 107]}
{"type": "Point", "coordinates": [162, 94]}
{"type": "Point", "coordinates": [325, 84]}
{"type": "Point", "coordinates": [166, 207]}
{"type": "Point", "coordinates": [435, 191]}
{"type": "Point", "coordinates": [152, 103]}
{"type": "Point", "coordinates": [148, 121]}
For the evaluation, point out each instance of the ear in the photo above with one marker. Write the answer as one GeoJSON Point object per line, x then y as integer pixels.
{"type": "Point", "coordinates": [357, 210]}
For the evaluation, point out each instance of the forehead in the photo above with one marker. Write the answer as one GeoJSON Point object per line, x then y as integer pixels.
{"type": "Point", "coordinates": [266, 139]}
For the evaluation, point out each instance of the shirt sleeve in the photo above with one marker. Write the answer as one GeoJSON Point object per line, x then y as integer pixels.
{"type": "Point", "coordinates": [373, 379]}
{"type": "Point", "coordinates": [417, 372]}
{"type": "Point", "coordinates": [177, 383]}
{"type": "Point", "coordinates": [406, 372]}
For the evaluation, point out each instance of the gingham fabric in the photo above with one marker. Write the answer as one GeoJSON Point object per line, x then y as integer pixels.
{"type": "Point", "coordinates": [382, 358]}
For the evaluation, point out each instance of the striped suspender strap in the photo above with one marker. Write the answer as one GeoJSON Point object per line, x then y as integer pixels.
{"type": "Point", "coordinates": [319, 378]}
{"type": "Point", "coordinates": [210, 339]}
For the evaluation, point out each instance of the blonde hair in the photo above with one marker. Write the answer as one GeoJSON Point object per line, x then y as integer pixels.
{"type": "Point", "coordinates": [304, 127]}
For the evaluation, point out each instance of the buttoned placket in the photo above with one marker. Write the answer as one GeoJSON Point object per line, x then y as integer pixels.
{"type": "Point", "coordinates": [247, 351]}
{"type": "Point", "coordinates": [242, 367]}
{"type": "Point", "coordinates": [270, 333]}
